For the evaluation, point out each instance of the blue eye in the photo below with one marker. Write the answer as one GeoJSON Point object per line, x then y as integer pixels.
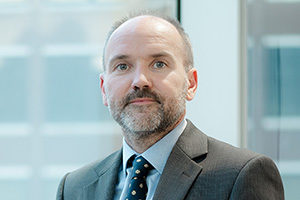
{"type": "Point", "coordinates": [159, 65]}
{"type": "Point", "coordinates": [122, 67]}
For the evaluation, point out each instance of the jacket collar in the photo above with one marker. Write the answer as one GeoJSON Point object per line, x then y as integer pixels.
{"type": "Point", "coordinates": [103, 186]}
{"type": "Point", "coordinates": [181, 170]}
{"type": "Point", "coordinates": [192, 141]}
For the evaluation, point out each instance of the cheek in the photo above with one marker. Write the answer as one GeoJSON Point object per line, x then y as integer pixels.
{"type": "Point", "coordinates": [116, 89]}
{"type": "Point", "coordinates": [172, 85]}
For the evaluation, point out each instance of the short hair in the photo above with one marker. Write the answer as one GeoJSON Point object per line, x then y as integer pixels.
{"type": "Point", "coordinates": [188, 60]}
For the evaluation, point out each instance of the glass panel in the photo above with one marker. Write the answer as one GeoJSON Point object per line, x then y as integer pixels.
{"type": "Point", "coordinates": [69, 96]}
{"type": "Point", "coordinates": [17, 154]}
{"type": "Point", "coordinates": [10, 1]}
{"type": "Point", "coordinates": [13, 87]}
{"type": "Point", "coordinates": [273, 86]}
{"type": "Point", "coordinates": [8, 189]}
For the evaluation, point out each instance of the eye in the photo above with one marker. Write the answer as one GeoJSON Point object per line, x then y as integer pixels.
{"type": "Point", "coordinates": [159, 65]}
{"type": "Point", "coordinates": [122, 67]}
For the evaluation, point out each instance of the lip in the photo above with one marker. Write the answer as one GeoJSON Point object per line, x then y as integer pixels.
{"type": "Point", "coordinates": [141, 101]}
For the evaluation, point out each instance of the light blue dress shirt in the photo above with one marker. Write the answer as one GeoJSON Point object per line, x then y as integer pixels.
{"type": "Point", "coordinates": [157, 155]}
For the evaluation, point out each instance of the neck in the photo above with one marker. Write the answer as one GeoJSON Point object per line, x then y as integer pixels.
{"type": "Point", "coordinates": [141, 144]}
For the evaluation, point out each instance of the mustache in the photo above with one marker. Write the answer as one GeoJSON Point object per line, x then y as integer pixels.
{"type": "Point", "coordinates": [145, 93]}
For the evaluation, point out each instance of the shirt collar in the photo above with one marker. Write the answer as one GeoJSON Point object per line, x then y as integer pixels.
{"type": "Point", "coordinates": [162, 148]}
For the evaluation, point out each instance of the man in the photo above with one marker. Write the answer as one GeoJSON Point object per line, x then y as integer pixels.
{"type": "Point", "coordinates": [148, 77]}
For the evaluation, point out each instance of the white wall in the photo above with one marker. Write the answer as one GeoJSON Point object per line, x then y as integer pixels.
{"type": "Point", "coordinates": [213, 27]}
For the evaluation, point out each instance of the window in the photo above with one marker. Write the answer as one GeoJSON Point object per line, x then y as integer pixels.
{"type": "Point", "coordinates": [51, 115]}
{"type": "Point", "coordinates": [274, 79]}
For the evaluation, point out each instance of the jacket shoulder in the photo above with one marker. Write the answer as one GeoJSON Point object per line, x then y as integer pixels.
{"type": "Point", "coordinates": [92, 171]}
{"type": "Point", "coordinates": [228, 153]}
{"type": "Point", "coordinates": [235, 173]}
{"type": "Point", "coordinates": [74, 181]}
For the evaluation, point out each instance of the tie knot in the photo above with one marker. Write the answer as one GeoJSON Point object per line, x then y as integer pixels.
{"type": "Point", "coordinates": [141, 167]}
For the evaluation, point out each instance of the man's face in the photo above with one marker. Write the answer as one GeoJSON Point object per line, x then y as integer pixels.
{"type": "Point", "coordinates": [145, 84]}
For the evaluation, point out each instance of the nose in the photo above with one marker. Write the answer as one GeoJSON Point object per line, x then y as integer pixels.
{"type": "Point", "coordinates": [141, 79]}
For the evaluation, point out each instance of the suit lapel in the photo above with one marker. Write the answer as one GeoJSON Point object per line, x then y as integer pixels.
{"type": "Point", "coordinates": [177, 177]}
{"type": "Point", "coordinates": [180, 170]}
{"type": "Point", "coordinates": [103, 187]}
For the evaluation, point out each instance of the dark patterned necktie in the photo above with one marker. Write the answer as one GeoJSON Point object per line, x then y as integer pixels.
{"type": "Point", "coordinates": [137, 189]}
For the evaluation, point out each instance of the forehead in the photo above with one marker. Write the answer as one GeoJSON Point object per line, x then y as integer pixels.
{"type": "Point", "coordinates": [144, 33]}
{"type": "Point", "coordinates": [144, 24]}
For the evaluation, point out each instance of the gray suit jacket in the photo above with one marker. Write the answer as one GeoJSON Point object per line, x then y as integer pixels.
{"type": "Point", "coordinates": [199, 167]}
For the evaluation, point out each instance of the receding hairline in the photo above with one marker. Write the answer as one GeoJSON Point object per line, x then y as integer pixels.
{"type": "Point", "coordinates": [188, 57]}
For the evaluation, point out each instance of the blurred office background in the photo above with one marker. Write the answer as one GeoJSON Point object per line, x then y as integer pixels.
{"type": "Point", "coordinates": [52, 120]}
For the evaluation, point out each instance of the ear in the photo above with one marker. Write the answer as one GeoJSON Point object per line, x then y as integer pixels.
{"type": "Point", "coordinates": [192, 84]}
{"type": "Point", "coordinates": [103, 89]}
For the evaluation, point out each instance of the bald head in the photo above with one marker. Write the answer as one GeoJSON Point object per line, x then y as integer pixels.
{"type": "Point", "coordinates": [158, 26]}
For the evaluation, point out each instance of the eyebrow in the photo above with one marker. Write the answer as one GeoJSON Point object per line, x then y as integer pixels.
{"type": "Point", "coordinates": [124, 56]}
{"type": "Point", "coordinates": [118, 57]}
{"type": "Point", "coordinates": [162, 54]}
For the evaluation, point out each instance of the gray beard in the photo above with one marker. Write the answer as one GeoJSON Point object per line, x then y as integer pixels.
{"type": "Point", "coordinates": [140, 121]}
